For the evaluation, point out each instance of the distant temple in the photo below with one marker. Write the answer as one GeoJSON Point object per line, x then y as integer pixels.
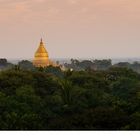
{"type": "Point", "coordinates": [41, 58]}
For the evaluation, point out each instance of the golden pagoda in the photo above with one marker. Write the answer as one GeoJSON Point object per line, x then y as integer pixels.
{"type": "Point", "coordinates": [41, 58]}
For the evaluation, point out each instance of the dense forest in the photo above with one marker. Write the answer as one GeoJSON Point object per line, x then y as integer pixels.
{"type": "Point", "coordinates": [52, 99]}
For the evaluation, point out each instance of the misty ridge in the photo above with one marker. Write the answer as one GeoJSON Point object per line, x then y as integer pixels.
{"type": "Point", "coordinates": [77, 64]}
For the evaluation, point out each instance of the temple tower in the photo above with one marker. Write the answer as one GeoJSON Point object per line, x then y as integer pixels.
{"type": "Point", "coordinates": [41, 57]}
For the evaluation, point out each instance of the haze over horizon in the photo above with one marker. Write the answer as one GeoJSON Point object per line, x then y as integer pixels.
{"type": "Point", "coordinates": [70, 28]}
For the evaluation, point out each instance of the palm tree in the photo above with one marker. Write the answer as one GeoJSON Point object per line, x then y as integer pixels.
{"type": "Point", "coordinates": [66, 88]}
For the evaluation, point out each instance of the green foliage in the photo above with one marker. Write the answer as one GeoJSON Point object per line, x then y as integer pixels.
{"type": "Point", "coordinates": [26, 65]}
{"type": "Point", "coordinates": [50, 99]}
{"type": "Point", "coordinates": [135, 121]}
{"type": "Point", "coordinates": [4, 64]}
{"type": "Point", "coordinates": [125, 87]}
{"type": "Point", "coordinates": [45, 84]}
{"type": "Point", "coordinates": [54, 70]}
{"type": "Point", "coordinates": [3, 61]}
{"type": "Point", "coordinates": [87, 64]}
{"type": "Point", "coordinates": [66, 87]}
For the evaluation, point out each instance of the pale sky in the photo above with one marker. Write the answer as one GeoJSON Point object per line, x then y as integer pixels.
{"type": "Point", "coordinates": [70, 28]}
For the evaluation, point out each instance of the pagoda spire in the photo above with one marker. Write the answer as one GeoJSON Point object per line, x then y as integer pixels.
{"type": "Point", "coordinates": [41, 41]}
{"type": "Point", "coordinates": [41, 57]}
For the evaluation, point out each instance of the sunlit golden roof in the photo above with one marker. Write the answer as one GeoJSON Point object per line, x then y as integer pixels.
{"type": "Point", "coordinates": [41, 58]}
{"type": "Point", "coordinates": [41, 51]}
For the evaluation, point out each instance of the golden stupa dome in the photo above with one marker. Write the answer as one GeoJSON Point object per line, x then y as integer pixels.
{"type": "Point", "coordinates": [41, 51]}
{"type": "Point", "coordinates": [41, 57]}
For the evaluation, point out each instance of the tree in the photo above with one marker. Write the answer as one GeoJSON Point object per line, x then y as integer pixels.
{"type": "Point", "coordinates": [103, 64]}
{"type": "Point", "coordinates": [79, 100]}
{"type": "Point", "coordinates": [26, 65]}
{"type": "Point", "coordinates": [54, 70]}
{"type": "Point", "coordinates": [125, 88]}
{"type": "Point", "coordinates": [3, 62]}
{"type": "Point", "coordinates": [66, 87]}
